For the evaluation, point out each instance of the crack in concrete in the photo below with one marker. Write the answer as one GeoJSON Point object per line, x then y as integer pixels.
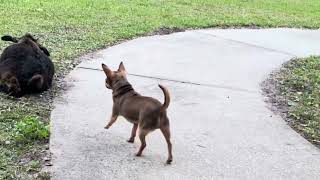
{"type": "Point", "coordinates": [184, 82]}
{"type": "Point", "coordinates": [248, 44]}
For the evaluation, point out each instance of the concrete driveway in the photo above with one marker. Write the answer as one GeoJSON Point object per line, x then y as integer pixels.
{"type": "Point", "coordinates": [221, 126]}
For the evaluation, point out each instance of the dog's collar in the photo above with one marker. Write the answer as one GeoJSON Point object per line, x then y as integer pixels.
{"type": "Point", "coordinates": [122, 90]}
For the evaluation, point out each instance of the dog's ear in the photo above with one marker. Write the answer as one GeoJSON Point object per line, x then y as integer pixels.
{"type": "Point", "coordinates": [45, 50]}
{"type": "Point", "coordinates": [121, 68]}
{"type": "Point", "coordinates": [107, 71]}
{"type": "Point", "coordinates": [9, 38]}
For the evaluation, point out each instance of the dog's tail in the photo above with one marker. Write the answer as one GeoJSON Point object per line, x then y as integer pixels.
{"type": "Point", "coordinates": [166, 97]}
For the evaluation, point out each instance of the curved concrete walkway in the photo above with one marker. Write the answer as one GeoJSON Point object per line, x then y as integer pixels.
{"type": "Point", "coordinates": [221, 126]}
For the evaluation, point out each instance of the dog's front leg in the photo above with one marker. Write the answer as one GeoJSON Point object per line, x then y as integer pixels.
{"type": "Point", "coordinates": [114, 116]}
{"type": "Point", "coordinates": [112, 120]}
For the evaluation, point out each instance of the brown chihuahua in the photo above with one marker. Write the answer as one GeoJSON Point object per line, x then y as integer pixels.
{"type": "Point", "coordinates": [144, 112]}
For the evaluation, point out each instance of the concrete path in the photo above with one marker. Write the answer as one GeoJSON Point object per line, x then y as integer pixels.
{"type": "Point", "coordinates": [221, 126]}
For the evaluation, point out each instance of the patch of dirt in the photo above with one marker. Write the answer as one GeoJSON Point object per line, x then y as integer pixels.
{"type": "Point", "coordinates": [170, 30]}
{"type": "Point", "coordinates": [278, 102]}
{"type": "Point", "coordinates": [39, 154]}
{"type": "Point", "coordinates": [165, 31]}
{"type": "Point", "coordinates": [247, 26]}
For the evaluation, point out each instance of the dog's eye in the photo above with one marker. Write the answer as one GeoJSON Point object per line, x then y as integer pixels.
{"type": "Point", "coordinates": [108, 81]}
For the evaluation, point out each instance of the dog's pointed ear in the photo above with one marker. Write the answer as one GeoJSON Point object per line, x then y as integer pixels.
{"type": "Point", "coordinates": [9, 38]}
{"type": "Point", "coordinates": [45, 50]}
{"type": "Point", "coordinates": [107, 70]}
{"type": "Point", "coordinates": [122, 68]}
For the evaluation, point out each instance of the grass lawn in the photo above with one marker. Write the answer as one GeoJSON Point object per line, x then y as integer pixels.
{"type": "Point", "coordinates": [298, 87]}
{"type": "Point", "coordinates": [70, 28]}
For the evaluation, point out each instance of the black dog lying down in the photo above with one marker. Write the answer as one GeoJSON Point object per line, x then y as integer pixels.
{"type": "Point", "coordinates": [25, 67]}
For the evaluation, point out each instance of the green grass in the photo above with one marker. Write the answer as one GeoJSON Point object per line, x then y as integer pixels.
{"type": "Point", "coordinates": [30, 129]}
{"type": "Point", "coordinates": [21, 137]}
{"type": "Point", "coordinates": [70, 28]}
{"type": "Point", "coordinates": [299, 83]}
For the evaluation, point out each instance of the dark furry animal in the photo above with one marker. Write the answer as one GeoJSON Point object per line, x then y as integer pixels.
{"type": "Point", "coordinates": [25, 66]}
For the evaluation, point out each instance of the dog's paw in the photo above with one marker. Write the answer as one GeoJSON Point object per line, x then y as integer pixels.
{"type": "Point", "coordinates": [138, 154]}
{"type": "Point", "coordinates": [108, 126]}
{"type": "Point", "coordinates": [169, 161]}
{"type": "Point", "coordinates": [131, 140]}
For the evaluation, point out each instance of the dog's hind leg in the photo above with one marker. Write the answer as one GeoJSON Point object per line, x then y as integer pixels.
{"type": "Point", "coordinates": [14, 86]}
{"type": "Point", "coordinates": [11, 84]}
{"type": "Point", "coordinates": [36, 82]}
{"type": "Point", "coordinates": [142, 136]}
{"type": "Point", "coordinates": [166, 133]}
{"type": "Point", "coordinates": [3, 86]}
{"type": "Point", "coordinates": [133, 133]}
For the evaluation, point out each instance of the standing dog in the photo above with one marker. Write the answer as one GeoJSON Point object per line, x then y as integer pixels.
{"type": "Point", "coordinates": [144, 112]}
